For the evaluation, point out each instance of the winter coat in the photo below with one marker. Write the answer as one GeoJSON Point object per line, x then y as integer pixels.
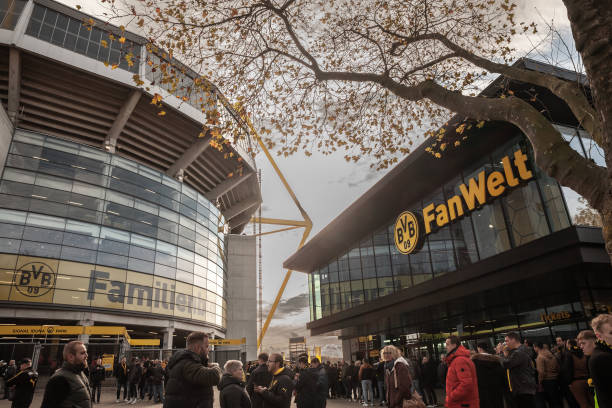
{"type": "Point", "coordinates": [306, 389]}
{"type": "Point", "coordinates": [190, 381]}
{"type": "Point", "coordinates": [574, 366]}
{"type": "Point", "coordinates": [98, 373]}
{"type": "Point", "coordinates": [430, 374]}
{"type": "Point", "coordinates": [600, 363]}
{"type": "Point", "coordinates": [398, 383]}
{"type": "Point", "coordinates": [332, 375]}
{"type": "Point", "coordinates": [278, 394]}
{"type": "Point", "coordinates": [233, 394]}
{"type": "Point", "coordinates": [366, 372]}
{"type": "Point", "coordinates": [520, 371]}
{"type": "Point", "coordinates": [491, 378]}
{"type": "Point", "coordinates": [156, 373]}
{"type": "Point", "coordinates": [260, 376]}
{"type": "Point", "coordinates": [547, 366]}
{"type": "Point", "coordinates": [322, 384]}
{"type": "Point", "coordinates": [24, 383]}
{"type": "Point", "coordinates": [121, 372]}
{"type": "Point", "coordinates": [135, 374]}
{"type": "Point", "coordinates": [461, 380]}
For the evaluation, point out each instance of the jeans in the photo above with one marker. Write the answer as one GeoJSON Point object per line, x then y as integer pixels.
{"type": "Point", "coordinates": [96, 389]}
{"type": "Point", "coordinates": [430, 395]}
{"type": "Point", "coordinates": [125, 389]}
{"type": "Point", "coordinates": [381, 390]}
{"type": "Point", "coordinates": [416, 387]}
{"type": "Point", "coordinates": [347, 387]}
{"type": "Point", "coordinates": [158, 393]}
{"type": "Point", "coordinates": [366, 386]}
{"type": "Point", "coordinates": [133, 393]}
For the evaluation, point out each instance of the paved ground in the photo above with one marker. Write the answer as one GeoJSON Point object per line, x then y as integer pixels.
{"type": "Point", "coordinates": [108, 400]}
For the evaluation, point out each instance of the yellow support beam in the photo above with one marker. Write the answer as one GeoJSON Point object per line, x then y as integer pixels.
{"type": "Point", "coordinates": [306, 223]}
{"type": "Point", "coordinates": [275, 231]}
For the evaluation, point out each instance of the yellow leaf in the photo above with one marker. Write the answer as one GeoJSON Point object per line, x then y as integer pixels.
{"type": "Point", "coordinates": [122, 40]}
{"type": "Point", "coordinates": [437, 155]}
{"type": "Point", "coordinates": [457, 143]}
{"type": "Point", "coordinates": [510, 91]}
{"type": "Point", "coordinates": [106, 63]}
{"type": "Point", "coordinates": [230, 175]}
{"type": "Point", "coordinates": [104, 43]}
{"type": "Point", "coordinates": [161, 113]}
{"type": "Point", "coordinates": [443, 146]}
{"type": "Point", "coordinates": [115, 66]}
{"type": "Point", "coordinates": [78, 7]}
{"type": "Point", "coordinates": [480, 124]}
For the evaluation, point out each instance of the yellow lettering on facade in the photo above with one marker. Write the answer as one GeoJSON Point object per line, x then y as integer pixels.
{"type": "Point", "coordinates": [441, 215]}
{"type": "Point", "coordinates": [520, 159]}
{"type": "Point", "coordinates": [455, 207]}
{"type": "Point", "coordinates": [511, 179]}
{"type": "Point", "coordinates": [475, 192]}
{"type": "Point", "coordinates": [428, 217]}
{"type": "Point", "coordinates": [494, 184]}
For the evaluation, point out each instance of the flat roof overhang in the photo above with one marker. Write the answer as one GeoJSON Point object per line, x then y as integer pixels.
{"type": "Point", "coordinates": [569, 248]}
{"type": "Point", "coordinates": [420, 173]}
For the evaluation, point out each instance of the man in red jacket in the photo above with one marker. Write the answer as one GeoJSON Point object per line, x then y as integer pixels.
{"type": "Point", "coordinates": [461, 383]}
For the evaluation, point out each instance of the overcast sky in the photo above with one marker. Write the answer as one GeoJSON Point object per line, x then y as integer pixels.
{"type": "Point", "coordinates": [326, 185]}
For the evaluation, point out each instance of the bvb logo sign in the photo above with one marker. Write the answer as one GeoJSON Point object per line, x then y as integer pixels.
{"type": "Point", "coordinates": [406, 232]}
{"type": "Point", "coordinates": [34, 279]}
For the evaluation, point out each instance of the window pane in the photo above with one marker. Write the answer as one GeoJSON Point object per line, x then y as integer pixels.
{"type": "Point", "coordinates": [40, 220]}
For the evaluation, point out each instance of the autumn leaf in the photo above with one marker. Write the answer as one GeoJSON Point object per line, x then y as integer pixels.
{"type": "Point", "coordinates": [480, 124]}
{"type": "Point", "coordinates": [161, 113]}
{"type": "Point", "coordinates": [104, 44]}
{"type": "Point", "coordinates": [122, 40]}
{"type": "Point", "coordinates": [114, 66]}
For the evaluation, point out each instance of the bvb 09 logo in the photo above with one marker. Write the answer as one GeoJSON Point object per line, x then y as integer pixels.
{"type": "Point", "coordinates": [406, 232]}
{"type": "Point", "coordinates": [34, 279]}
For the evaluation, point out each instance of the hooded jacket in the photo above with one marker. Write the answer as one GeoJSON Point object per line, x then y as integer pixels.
{"type": "Point", "coordinates": [600, 363]}
{"type": "Point", "coordinates": [278, 394]}
{"type": "Point", "coordinates": [259, 377]}
{"type": "Point", "coordinates": [233, 394]}
{"type": "Point", "coordinates": [190, 381]}
{"type": "Point", "coordinates": [461, 380]}
{"type": "Point", "coordinates": [491, 379]}
{"type": "Point", "coordinates": [547, 366]}
{"type": "Point", "coordinates": [398, 383]}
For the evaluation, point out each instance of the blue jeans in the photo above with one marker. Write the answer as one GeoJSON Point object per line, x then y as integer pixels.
{"type": "Point", "coordinates": [157, 391]}
{"type": "Point", "coordinates": [381, 390]}
{"type": "Point", "coordinates": [368, 395]}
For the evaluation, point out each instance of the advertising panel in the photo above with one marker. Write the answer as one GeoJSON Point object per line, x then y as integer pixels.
{"type": "Point", "coordinates": [44, 280]}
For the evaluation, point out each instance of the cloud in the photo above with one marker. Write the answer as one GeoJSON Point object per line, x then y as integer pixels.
{"type": "Point", "coordinates": [289, 307]}
{"type": "Point", "coordinates": [277, 338]}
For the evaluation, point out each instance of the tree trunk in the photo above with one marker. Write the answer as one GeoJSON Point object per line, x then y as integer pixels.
{"type": "Point", "coordinates": [591, 22]}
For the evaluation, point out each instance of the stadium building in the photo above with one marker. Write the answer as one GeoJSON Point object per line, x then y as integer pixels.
{"type": "Point", "coordinates": [111, 215]}
{"type": "Point", "coordinates": [478, 243]}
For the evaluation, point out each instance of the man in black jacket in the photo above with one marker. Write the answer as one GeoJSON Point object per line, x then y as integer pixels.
{"type": "Point", "coordinates": [134, 377]}
{"type": "Point", "coordinates": [190, 377]}
{"type": "Point", "coordinates": [305, 386]}
{"type": "Point", "coordinates": [600, 362]}
{"type": "Point", "coordinates": [233, 394]}
{"type": "Point", "coordinates": [520, 371]}
{"type": "Point", "coordinates": [24, 382]}
{"type": "Point", "coordinates": [156, 377]}
{"type": "Point", "coordinates": [278, 394]}
{"type": "Point", "coordinates": [259, 377]}
{"type": "Point", "coordinates": [97, 375]}
{"type": "Point", "coordinates": [121, 371]}
{"type": "Point", "coordinates": [69, 386]}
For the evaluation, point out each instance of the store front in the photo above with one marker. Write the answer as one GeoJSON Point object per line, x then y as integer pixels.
{"type": "Point", "coordinates": [484, 244]}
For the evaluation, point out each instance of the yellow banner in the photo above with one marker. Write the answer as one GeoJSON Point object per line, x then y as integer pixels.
{"type": "Point", "coordinates": [144, 342]}
{"type": "Point", "coordinates": [106, 330]}
{"type": "Point", "coordinates": [40, 330]}
{"type": "Point", "coordinates": [227, 342]}
{"type": "Point", "coordinates": [44, 280]}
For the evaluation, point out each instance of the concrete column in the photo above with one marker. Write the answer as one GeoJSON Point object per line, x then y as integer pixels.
{"type": "Point", "coordinates": [14, 85]}
{"type": "Point", "coordinates": [168, 337]}
{"type": "Point", "coordinates": [6, 134]}
{"type": "Point", "coordinates": [85, 337]}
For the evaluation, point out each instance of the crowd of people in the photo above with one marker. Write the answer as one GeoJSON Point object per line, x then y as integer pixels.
{"type": "Point", "coordinates": [515, 374]}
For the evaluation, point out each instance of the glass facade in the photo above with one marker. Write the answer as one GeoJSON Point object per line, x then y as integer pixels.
{"type": "Point", "coordinates": [10, 10]}
{"type": "Point", "coordinates": [374, 267]}
{"type": "Point", "coordinates": [70, 33]}
{"type": "Point", "coordinates": [65, 201]}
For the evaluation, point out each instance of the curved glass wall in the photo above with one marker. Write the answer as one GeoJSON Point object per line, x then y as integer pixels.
{"type": "Point", "coordinates": [64, 201]}
{"type": "Point", "coordinates": [374, 267]}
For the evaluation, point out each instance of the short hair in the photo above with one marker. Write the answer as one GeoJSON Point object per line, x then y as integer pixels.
{"type": "Point", "coordinates": [484, 345]}
{"type": "Point", "coordinates": [276, 358]}
{"type": "Point", "coordinates": [263, 357]}
{"type": "Point", "coordinates": [231, 366]}
{"type": "Point", "coordinates": [600, 320]}
{"type": "Point", "coordinates": [454, 340]}
{"type": "Point", "coordinates": [70, 348]}
{"type": "Point", "coordinates": [587, 335]}
{"type": "Point", "coordinates": [395, 352]}
{"type": "Point", "coordinates": [539, 345]}
{"type": "Point", "coordinates": [513, 336]}
{"type": "Point", "coordinates": [196, 337]}
{"type": "Point", "coordinates": [303, 360]}
{"type": "Point", "coordinates": [315, 360]}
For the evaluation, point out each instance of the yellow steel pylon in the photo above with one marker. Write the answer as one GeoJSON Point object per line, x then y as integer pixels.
{"type": "Point", "coordinates": [293, 224]}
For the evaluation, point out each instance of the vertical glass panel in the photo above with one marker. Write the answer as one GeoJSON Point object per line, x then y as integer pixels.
{"type": "Point", "coordinates": [317, 296]}
{"type": "Point", "coordinates": [354, 264]}
{"type": "Point", "coordinates": [461, 230]}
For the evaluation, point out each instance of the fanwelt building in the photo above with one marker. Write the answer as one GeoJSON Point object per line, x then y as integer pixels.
{"type": "Point", "coordinates": [477, 243]}
{"type": "Point", "coordinates": [111, 214]}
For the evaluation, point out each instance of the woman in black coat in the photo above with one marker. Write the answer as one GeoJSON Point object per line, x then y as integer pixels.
{"type": "Point", "coordinates": [233, 394]}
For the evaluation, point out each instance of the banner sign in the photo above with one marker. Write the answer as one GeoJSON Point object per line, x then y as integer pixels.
{"type": "Point", "coordinates": [227, 342]}
{"type": "Point", "coordinates": [411, 228]}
